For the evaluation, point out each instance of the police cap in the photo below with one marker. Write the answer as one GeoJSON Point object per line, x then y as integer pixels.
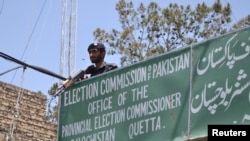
{"type": "Point", "coordinates": [99, 46]}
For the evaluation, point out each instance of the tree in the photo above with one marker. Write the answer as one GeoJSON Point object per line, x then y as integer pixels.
{"type": "Point", "coordinates": [242, 23]}
{"type": "Point", "coordinates": [52, 113]}
{"type": "Point", "coordinates": [150, 31]}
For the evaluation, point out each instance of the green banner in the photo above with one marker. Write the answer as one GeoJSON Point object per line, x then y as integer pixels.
{"type": "Point", "coordinates": [221, 84]}
{"type": "Point", "coordinates": [144, 101]}
{"type": "Point", "coordinates": [152, 100]}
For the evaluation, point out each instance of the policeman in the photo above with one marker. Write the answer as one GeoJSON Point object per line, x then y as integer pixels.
{"type": "Point", "coordinates": [97, 54]}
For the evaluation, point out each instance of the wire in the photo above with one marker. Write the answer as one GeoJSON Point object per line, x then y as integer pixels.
{"type": "Point", "coordinates": [34, 28]}
{"type": "Point", "coordinates": [10, 70]}
{"type": "Point", "coordinates": [43, 25]}
{"type": "Point", "coordinates": [32, 32]}
{"type": "Point", "coordinates": [45, 71]}
{"type": "Point", "coordinates": [232, 13]}
{"type": "Point", "coordinates": [2, 7]}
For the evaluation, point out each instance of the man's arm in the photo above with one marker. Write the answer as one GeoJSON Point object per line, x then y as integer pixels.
{"type": "Point", "coordinates": [77, 77]}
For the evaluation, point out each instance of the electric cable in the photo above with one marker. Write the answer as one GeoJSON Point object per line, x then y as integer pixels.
{"type": "Point", "coordinates": [42, 27]}
{"type": "Point", "coordinates": [32, 32]}
{"type": "Point", "coordinates": [10, 70]}
{"type": "Point", "coordinates": [232, 13]}
{"type": "Point", "coordinates": [34, 28]}
{"type": "Point", "coordinates": [1, 9]}
{"type": "Point", "coordinates": [37, 68]}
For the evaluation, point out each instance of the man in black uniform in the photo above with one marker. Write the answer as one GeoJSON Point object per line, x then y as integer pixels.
{"type": "Point", "coordinates": [97, 54]}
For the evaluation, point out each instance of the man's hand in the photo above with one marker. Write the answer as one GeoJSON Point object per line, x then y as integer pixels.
{"type": "Point", "coordinates": [85, 77]}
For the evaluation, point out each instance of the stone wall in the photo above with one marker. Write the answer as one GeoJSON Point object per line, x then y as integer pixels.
{"type": "Point", "coordinates": [28, 118]}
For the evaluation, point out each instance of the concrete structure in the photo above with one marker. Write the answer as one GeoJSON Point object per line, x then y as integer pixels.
{"type": "Point", "coordinates": [23, 115]}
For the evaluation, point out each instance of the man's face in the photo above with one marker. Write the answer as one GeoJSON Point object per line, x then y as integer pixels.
{"type": "Point", "coordinates": [96, 55]}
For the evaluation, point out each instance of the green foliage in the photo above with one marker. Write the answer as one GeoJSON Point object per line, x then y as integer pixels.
{"type": "Point", "coordinates": [39, 92]}
{"type": "Point", "coordinates": [242, 23]}
{"type": "Point", "coordinates": [148, 31]}
{"type": "Point", "coordinates": [53, 88]}
{"type": "Point", "coordinates": [52, 111]}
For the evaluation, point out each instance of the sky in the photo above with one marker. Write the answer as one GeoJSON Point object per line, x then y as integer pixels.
{"type": "Point", "coordinates": [30, 30]}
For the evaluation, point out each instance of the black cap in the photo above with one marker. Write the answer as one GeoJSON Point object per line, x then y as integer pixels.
{"type": "Point", "coordinates": [99, 46]}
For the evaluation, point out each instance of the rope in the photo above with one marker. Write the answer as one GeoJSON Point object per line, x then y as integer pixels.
{"type": "Point", "coordinates": [16, 110]}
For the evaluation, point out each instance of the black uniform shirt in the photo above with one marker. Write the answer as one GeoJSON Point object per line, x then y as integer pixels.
{"type": "Point", "coordinates": [105, 67]}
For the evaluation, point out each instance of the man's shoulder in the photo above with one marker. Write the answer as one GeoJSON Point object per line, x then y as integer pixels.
{"type": "Point", "coordinates": [111, 66]}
